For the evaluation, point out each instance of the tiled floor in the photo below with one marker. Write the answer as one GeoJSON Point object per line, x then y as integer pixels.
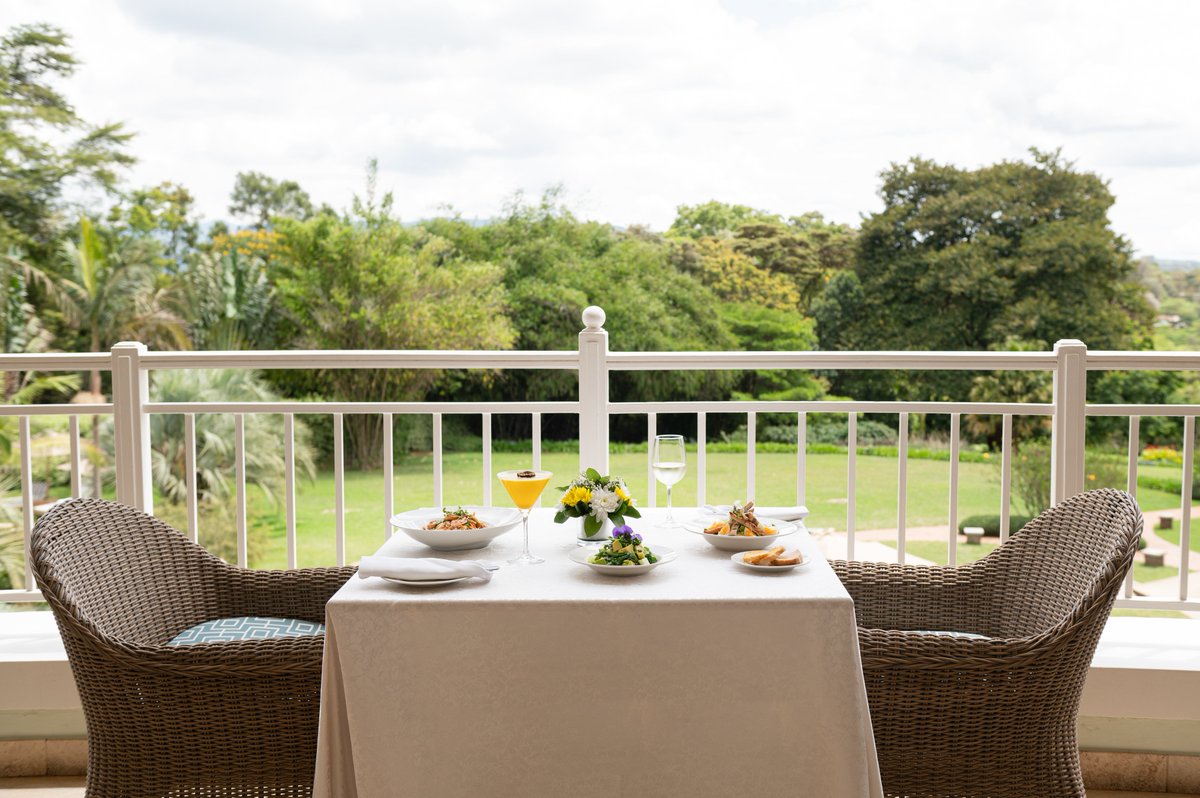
{"type": "Point", "coordinates": [73, 788]}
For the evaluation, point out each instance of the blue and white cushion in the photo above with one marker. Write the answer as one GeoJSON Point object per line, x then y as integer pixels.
{"type": "Point", "coordinates": [222, 630]}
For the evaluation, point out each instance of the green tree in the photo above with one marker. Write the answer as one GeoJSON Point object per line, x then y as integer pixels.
{"type": "Point", "coordinates": [732, 274]}
{"type": "Point", "coordinates": [715, 218]}
{"type": "Point", "coordinates": [965, 259]}
{"type": "Point", "coordinates": [45, 147]}
{"type": "Point", "coordinates": [367, 282]}
{"type": "Point", "coordinates": [164, 211]}
{"type": "Point", "coordinates": [262, 197]}
{"type": "Point", "coordinates": [112, 295]}
{"type": "Point", "coordinates": [229, 301]}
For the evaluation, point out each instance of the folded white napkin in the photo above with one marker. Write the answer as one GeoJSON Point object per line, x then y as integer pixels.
{"type": "Point", "coordinates": [420, 569]}
{"type": "Point", "coordinates": [794, 513]}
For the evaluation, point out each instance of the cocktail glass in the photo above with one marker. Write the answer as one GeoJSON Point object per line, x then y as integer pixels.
{"type": "Point", "coordinates": [524, 488]}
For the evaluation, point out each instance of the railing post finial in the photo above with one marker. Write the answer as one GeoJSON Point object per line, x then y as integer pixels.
{"type": "Point", "coordinates": [593, 317]}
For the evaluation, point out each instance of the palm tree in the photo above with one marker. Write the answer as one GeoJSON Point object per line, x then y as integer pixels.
{"type": "Point", "coordinates": [113, 294]}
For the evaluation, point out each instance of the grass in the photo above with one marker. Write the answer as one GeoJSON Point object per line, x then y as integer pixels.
{"type": "Point", "coordinates": [935, 551]}
{"type": "Point", "coordinates": [1172, 535]}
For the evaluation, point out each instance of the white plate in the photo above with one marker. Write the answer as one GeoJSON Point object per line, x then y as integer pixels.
{"type": "Point", "coordinates": [427, 582]}
{"type": "Point", "coordinates": [737, 558]}
{"type": "Point", "coordinates": [662, 555]}
{"type": "Point", "coordinates": [498, 519]}
{"type": "Point", "coordinates": [739, 542]}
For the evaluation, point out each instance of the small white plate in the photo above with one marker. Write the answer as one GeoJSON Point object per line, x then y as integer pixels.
{"type": "Point", "coordinates": [739, 542]}
{"type": "Point", "coordinates": [427, 582]}
{"type": "Point", "coordinates": [737, 558]}
{"type": "Point", "coordinates": [498, 519]}
{"type": "Point", "coordinates": [662, 554]}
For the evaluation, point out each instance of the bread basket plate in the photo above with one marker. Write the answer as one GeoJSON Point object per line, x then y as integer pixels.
{"type": "Point", "coordinates": [737, 559]}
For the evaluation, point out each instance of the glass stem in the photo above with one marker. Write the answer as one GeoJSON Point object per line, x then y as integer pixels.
{"type": "Point", "coordinates": [670, 518]}
{"type": "Point", "coordinates": [525, 525]}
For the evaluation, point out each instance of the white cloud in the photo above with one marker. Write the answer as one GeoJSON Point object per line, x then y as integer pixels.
{"type": "Point", "coordinates": [639, 106]}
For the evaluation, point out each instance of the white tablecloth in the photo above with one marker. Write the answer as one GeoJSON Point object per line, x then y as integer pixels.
{"type": "Point", "coordinates": [699, 679]}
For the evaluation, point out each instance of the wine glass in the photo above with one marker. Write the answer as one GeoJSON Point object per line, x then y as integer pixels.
{"type": "Point", "coordinates": [670, 464]}
{"type": "Point", "coordinates": [524, 488]}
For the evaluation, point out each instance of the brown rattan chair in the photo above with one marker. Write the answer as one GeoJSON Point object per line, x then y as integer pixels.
{"type": "Point", "coordinates": [215, 719]}
{"type": "Point", "coordinates": [992, 715]}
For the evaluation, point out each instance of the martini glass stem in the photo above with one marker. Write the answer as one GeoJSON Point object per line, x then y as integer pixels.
{"type": "Point", "coordinates": [525, 525]}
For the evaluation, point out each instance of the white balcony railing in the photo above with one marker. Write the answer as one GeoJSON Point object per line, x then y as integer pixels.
{"type": "Point", "coordinates": [1069, 362]}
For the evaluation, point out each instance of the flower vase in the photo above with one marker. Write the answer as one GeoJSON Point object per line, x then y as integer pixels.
{"type": "Point", "coordinates": [582, 538]}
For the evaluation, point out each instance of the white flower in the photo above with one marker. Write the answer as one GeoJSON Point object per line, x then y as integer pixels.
{"type": "Point", "coordinates": [604, 502]}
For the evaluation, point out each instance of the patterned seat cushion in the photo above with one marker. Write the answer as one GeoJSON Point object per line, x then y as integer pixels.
{"type": "Point", "coordinates": [946, 633]}
{"type": "Point", "coordinates": [222, 630]}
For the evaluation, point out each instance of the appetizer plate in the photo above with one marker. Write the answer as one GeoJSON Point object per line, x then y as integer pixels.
{"type": "Point", "coordinates": [737, 558]}
{"type": "Point", "coordinates": [739, 542]}
{"type": "Point", "coordinates": [662, 553]}
{"type": "Point", "coordinates": [498, 519]}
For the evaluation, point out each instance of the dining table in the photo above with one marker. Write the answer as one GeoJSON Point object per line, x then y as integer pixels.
{"type": "Point", "coordinates": [699, 678]}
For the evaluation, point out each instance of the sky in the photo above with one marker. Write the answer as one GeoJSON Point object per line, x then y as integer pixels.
{"type": "Point", "coordinates": [636, 107]}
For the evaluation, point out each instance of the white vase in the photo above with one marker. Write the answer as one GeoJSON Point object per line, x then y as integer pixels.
{"type": "Point", "coordinates": [602, 535]}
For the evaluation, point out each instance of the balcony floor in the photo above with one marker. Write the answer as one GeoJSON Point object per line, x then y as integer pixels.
{"type": "Point", "coordinates": [72, 787]}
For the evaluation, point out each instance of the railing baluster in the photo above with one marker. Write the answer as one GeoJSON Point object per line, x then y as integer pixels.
{"type": "Point", "coordinates": [751, 460]}
{"type": "Point", "coordinates": [701, 459]}
{"type": "Point", "coordinates": [239, 453]}
{"type": "Point", "coordinates": [487, 459]}
{"type": "Point", "coordinates": [952, 529]}
{"type": "Point", "coordinates": [801, 458]}
{"type": "Point", "coordinates": [651, 485]}
{"type": "Point", "coordinates": [1006, 453]}
{"type": "Point", "coordinates": [389, 482]}
{"type": "Point", "coordinates": [537, 447]}
{"type": "Point", "coordinates": [851, 479]}
{"type": "Point", "coordinates": [339, 489]}
{"type": "Point", "coordinates": [189, 484]}
{"type": "Point", "coordinates": [1135, 429]}
{"type": "Point", "coordinates": [289, 485]}
{"type": "Point", "coordinates": [437, 459]}
{"type": "Point", "coordinates": [902, 490]}
{"type": "Point", "coordinates": [1185, 523]}
{"type": "Point", "coordinates": [76, 470]}
{"type": "Point", "coordinates": [26, 495]}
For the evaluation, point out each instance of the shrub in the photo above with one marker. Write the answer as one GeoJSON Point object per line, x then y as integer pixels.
{"type": "Point", "coordinates": [991, 524]}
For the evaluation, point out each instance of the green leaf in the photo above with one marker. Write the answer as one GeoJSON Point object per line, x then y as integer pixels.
{"type": "Point", "coordinates": [560, 517]}
{"type": "Point", "coordinates": [593, 475]}
{"type": "Point", "coordinates": [591, 525]}
{"type": "Point", "coordinates": [632, 512]}
{"type": "Point", "coordinates": [617, 519]}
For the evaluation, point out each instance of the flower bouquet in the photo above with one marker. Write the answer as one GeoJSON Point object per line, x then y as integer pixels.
{"type": "Point", "coordinates": [597, 501]}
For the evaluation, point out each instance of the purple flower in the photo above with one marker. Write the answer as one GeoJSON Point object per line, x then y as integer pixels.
{"type": "Point", "coordinates": [623, 529]}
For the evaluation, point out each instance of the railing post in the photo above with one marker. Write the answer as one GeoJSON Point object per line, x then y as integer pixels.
{"type": "Point", "coordinates": [131, 426]}
{"type": "Point", "coordinates": [1069, 431]}
{"type": "Point", "coordinates": [593, 391]}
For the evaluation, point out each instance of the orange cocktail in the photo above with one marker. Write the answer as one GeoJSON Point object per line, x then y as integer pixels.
{"type": "Point", "coordinates": [524, 488]}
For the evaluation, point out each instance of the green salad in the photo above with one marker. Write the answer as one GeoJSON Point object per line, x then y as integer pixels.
{"type": "Point", "coordinates": [625, 548]}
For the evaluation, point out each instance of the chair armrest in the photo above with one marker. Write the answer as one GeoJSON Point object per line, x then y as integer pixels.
{"type": "Point", "coordinates": [299, 593]}
{"type": "Point", "coordinates": [895, 650]}
{"type": "Point", "coordinates": [900, 597]}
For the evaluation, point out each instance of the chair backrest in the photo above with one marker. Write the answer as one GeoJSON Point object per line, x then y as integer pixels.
{"type": "Point", "coordinates": [122, 571]}
{"type": "Point", "coordinates": [1070, 560]}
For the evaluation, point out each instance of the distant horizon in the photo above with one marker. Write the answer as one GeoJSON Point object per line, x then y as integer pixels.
{"type": "Point", "coordinates": [786, 105]}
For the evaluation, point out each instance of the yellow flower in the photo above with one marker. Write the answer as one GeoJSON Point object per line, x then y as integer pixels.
{"type": "Point", "coordinates": [1091, 477]}
{"type": "Point", "coordinates": [577, 495]}
{"type": "Point", "coordinates": [622, 494]}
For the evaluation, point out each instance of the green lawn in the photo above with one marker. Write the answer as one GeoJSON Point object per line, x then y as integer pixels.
{"type": "Point", "coordinates": [935, 550]}
{"type": "Point", "coordinates": [1172, 535]}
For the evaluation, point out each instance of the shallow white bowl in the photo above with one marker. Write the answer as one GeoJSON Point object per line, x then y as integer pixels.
{"type": "Point", "coordinates": [662, 554]}
{"type": "Point", "coordinates": [498, 519]}
{"type": "Point", "coordinates": [740, 542]}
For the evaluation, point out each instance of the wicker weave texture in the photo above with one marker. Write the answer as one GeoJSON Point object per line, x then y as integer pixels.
{"type": "Point", "coordinates": [992, 718]}
{"type": "Point", "coordinates": [217, 719]}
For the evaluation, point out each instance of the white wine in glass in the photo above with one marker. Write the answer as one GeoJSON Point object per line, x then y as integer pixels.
{"type": "Point", "coordinates": [669, 463]}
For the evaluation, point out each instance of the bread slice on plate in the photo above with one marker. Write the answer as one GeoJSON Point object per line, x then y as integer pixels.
{"type": "Point", "coordinates": [762, 556]}
{"type": "Point", "coordinates": [792, 557]}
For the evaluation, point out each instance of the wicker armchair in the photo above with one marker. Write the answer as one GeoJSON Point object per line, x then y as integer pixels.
{"type": "Point", "coordinates": [216, 719]}
{"type": "Point", "coordinates": [992, 716]}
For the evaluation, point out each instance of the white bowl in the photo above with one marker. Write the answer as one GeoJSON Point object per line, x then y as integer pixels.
{"type": "Point", "coordinates": [740, 542]}
{"type": "Point", "coordinates": [498, 519]}
{"type": "Point", "coordinates": [662, 554]}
